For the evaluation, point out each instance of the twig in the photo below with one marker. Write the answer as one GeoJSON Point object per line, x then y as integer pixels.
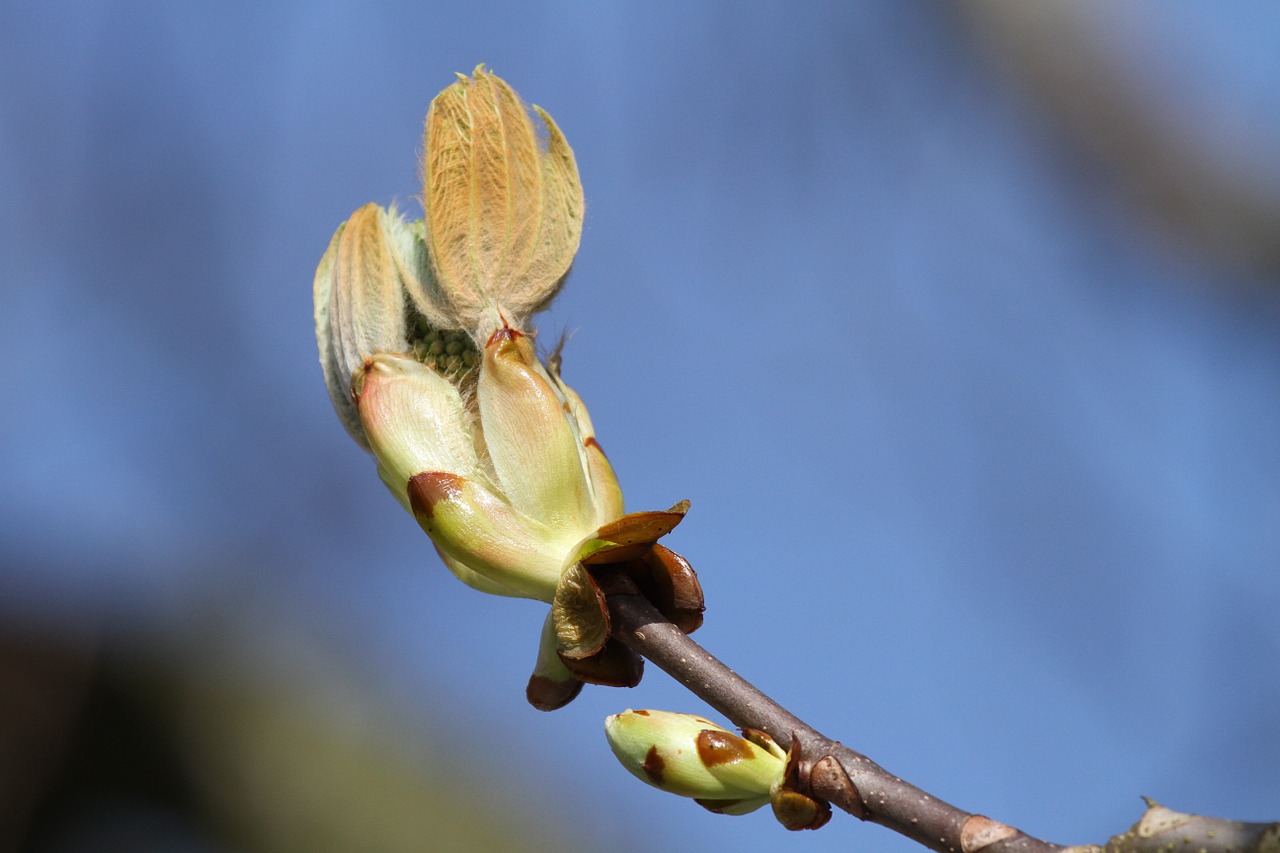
{"type": "Point", "coordinates": [859, 786]}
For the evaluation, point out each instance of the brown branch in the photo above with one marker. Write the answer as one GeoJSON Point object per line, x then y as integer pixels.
{"type": "Point", "coordinates": [848, 779]}
{"type": "Point", "coordinates": [836, 773]}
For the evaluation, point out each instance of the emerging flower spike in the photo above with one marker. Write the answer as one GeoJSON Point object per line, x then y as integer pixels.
{"type": "Point", "coordinates": [423, 340]}
{"type": "Point", "coordinates": [693, 757]}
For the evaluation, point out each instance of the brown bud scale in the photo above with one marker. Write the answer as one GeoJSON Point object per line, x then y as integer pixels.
{"type": "Point", "coordinates": [653, 766]}
{"type": "Point", "coordinates": [717, 747]}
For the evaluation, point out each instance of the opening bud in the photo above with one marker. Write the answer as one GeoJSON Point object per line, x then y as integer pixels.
{"type": "Point", "coordinates": [423, 339]}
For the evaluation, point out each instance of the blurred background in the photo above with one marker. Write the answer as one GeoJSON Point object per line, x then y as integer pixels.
{"type": "Point", "coordinates": [957, 322]}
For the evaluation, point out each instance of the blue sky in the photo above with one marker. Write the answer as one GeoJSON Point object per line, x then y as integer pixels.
{"type": "Point", "coordinates": [983, 459]}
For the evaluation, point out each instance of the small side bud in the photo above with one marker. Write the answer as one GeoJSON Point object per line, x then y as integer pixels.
{"type": "Point", "coordinates": [693, 757]}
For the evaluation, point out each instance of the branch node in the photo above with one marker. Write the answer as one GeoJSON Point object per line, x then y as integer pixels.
{"type": "Point", "coordinates": [1157, 820]}
{"type": "Point", "coordinates": [829, 780]}
{"type": "Point", "coordinates": [980, 832]}
{"type": "Point", "coordinates": [794, 803]}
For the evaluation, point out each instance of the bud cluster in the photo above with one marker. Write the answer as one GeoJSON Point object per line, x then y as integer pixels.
{"type": "Point", "coordinates": [452, 354]}
{"type": "Point", "coordinates": [422, 330]}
